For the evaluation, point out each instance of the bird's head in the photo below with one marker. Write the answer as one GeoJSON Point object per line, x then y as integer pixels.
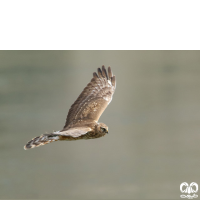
{"type": "Point", "coordinates": [102, 128]}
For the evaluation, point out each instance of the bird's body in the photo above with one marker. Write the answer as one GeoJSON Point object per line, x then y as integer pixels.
{"type": "Point", "coordinates": [82, 119]}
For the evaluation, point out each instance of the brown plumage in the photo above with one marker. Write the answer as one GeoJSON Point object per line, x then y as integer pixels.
{"type": "Point", "coordinates": [83, 116]}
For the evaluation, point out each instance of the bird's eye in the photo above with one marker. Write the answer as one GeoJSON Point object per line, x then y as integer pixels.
{"type": "Point", "coordinates": [103, 130]}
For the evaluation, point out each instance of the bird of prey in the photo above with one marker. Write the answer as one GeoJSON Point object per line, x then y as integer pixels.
{"type": "Point", "coordinates": [82, 119]}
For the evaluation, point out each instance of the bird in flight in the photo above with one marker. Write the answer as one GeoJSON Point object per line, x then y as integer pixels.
{"type": "Point", "coordinates": [82, 119]}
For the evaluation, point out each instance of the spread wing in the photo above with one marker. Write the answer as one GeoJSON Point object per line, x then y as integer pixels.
{"type": "Point", "coordinates": [94, 98]}
{"type": "Point", "coordinates": [73, 132]}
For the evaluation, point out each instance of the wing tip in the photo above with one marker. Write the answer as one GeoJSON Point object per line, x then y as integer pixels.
{"type": "Point", "coordinates": [110, 72]}
{"type": "Point", "coordinates": [99, 72]}
{"type": "Point", "coordinates": [113, 81]}
{"type": "Point", "coordinates": [95, 75]}
{"type": "Point", "coordinates": [104, 72]}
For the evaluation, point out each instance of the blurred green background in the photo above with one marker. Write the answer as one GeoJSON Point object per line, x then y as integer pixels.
{"type": "Point", "coordinates": [154, 125]}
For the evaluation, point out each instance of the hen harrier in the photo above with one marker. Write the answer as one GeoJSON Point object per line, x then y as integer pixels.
{"type": "Point", "coordinates": [83, 116]}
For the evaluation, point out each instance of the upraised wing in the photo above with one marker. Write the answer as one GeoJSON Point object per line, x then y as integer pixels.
{"type": "Point", "coordinates": [93, 100]}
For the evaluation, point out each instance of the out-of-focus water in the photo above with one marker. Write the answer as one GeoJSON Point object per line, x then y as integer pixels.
{"type": "Point", "coordinates": [154, 125]}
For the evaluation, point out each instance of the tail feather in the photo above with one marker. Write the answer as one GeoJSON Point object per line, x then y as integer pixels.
{"type": "Point", "coordinates": [41, 140]}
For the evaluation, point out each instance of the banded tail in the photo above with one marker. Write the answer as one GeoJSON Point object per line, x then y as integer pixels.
{"type": "Point", "coordinates": [41, 140]}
